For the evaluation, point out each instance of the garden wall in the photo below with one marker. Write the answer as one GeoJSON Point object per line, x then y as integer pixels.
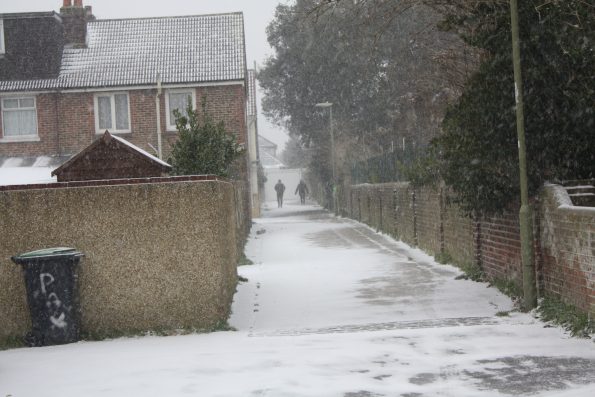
{"type": "Point", "coordinates": [159, 253]}
{"type": "Point", "coordinates": [567, 237]}
{"type": "Point", "coordinates": [427, 218]}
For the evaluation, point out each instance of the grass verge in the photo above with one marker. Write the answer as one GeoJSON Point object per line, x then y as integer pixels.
{"type": "Point", "coordinates": [11, 342]}
{"type": "Point", "coordinates": [244, 261]}
{"type": "Point", "coordinates": [553, 310]}
{"type": "Point", "coordinates": [111, 334]}
{"type": "Point", "coordinates": [508, 288]}
{"type": "Point", "coordinates": [14, 342]}
{"type": "Point", "coordinates": [471, 272]}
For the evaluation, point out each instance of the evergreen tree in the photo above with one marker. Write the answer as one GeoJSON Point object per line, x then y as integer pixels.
{"type": "Point", "coordinates": [479, 145]}
{"type": "Point", "coordinates": [381, 64]}
{"type": "Point", "coordinates": [203, 146]}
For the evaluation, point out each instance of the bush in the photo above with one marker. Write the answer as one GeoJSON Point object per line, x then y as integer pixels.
{"type": "Point", "coordinates": [479, 154]}
{"type": "Point", "coordinates": [203, 146]}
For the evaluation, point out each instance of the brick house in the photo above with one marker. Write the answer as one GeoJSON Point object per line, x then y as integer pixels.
{"type": "Point", "coordinates": [65, 78]}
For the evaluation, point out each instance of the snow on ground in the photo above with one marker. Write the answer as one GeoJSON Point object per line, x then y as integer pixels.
{"type": "Point", "coordinates": [330, 308]}
{"type": "Point", "coordinates": [26, 175]}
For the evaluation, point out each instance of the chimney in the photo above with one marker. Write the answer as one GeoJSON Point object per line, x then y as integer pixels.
{"type": "Point", "coordinates": [74, 19]}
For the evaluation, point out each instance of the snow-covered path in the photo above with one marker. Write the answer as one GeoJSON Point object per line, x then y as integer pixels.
{"type": "Point", "coordinates": [314, 270]}
{"type": "Point", "coordinates": [330, 308]}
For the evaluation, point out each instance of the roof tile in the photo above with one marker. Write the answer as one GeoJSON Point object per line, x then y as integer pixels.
{"type": "Point", "coordinates": [126, 52]}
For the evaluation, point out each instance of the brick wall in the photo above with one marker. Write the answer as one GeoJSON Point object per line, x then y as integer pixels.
{"type": "Point", "coordinates": [75, 120]}
{"type": "Point", "coordinates": [364, 204]}
{"type": "Point", "coordinates": [461, 234]}
{"type": "Point", "coordinates": [567, 238]}
{"type": "Point", "coordinates": [387, 221]}
{"type": "Point", "coordinates": [428, 203]}
{"type": "Point", "coordinates": [227, 104]}
{"type": "Point", "coordinates": [500, 247]}
{"type": "Point", "coordinates": [375, 208]}
{"type": "Point", "coordinates": [66, 121]}
{"type": "Point", "coordinates": [426, 217]}
{"type": "Point", "coordinates": [405, 222]}
{"type": "Point", "coordinates": [144, 119]}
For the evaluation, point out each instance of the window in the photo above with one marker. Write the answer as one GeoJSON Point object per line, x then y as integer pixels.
{"type": "Point", "coordinates": [178, 99]}
{"type": "Point", "coordinates": [19, 118]}
{"type": "Point", "coordinates": [2, 48]}
{"type": "Point", "coordinates": [112, 113]}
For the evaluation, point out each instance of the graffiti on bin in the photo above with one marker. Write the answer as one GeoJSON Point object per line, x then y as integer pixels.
{"type": "Point", "coordinates": [53, 302]}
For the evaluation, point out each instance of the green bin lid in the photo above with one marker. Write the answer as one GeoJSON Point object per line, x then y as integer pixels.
{"type": "Point", "coordinates": [46, 252]}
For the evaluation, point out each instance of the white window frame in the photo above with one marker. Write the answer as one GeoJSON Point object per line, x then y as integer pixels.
{"type": "Point", "coordinates": [2, 46]}
{"type": "Point", "coordinates": [112, 96]}
{"type": "Point", "coordinates": [19, 138]}
{"type": "Point", "coordinates": [171, 124]}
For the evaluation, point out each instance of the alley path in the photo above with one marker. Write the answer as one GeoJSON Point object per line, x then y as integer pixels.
{"type": "Point", "coordinates": [386, 320]}
{"type": "Point", "coordinates": [315, 271]}
{"type": "Point", "coordinates": [329, 308]}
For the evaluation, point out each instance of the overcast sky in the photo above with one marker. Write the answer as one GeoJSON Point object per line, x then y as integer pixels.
{"type": "Point", "coordinates": [257, 15]}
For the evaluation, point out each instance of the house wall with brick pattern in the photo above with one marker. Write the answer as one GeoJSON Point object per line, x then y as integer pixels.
{"type": "Point", "coordinates": [66, 120]}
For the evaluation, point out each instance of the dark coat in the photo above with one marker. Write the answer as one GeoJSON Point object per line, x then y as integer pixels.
{"type": "Point", "coordinates": [302, 188]}
{"type": "Point", "coordinates": [280, 188]}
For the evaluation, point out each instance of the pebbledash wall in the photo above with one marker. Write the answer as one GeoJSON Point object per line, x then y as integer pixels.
{"type": "Point", "coordinates": [426, 218]}
{"type": "Point", "coordinates": [66, 120]}
{"type": "Point", "coordinates": [160, 253]}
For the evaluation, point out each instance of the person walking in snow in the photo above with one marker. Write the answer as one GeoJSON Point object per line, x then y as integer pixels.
{"type": "Point", "coordinates": [280, 189]}
{"type": "Point", "coordinates": [303, 190]}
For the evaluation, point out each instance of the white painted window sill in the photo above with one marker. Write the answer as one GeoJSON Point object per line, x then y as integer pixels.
{"type": "Point", "coordinates": [20, 139]}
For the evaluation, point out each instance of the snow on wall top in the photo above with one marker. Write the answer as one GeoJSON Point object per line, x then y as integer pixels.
{"type": "Point", "coordinates": [128, 52]}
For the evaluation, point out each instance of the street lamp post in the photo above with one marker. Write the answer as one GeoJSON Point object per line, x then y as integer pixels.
{"type": "Point", "coordinates": [329, 105]}
{"type": "Point", "coordinates": [525, 214]}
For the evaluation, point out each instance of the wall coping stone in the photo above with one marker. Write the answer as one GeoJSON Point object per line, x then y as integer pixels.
{"type": "Point", "coordinates": [113, 182]}
{"type": "Point", "coordinates": [563, 202]}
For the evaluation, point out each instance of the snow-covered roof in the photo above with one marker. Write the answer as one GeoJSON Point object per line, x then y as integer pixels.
{"type": "Point", "coordinates": [28, 170]}
{"type": "Point", "coordinates": [129, 52]}
{"type": "Point", "coordinates": [263, 142]}
{"type": "Point", "coordinates": [139, 150]}
{"type": "Point", "coordinates": [28, 162]}
{"type": "Point", "coordinates": [269, 161]}
{"type": "Point", "coordinates": [25, 175]}
{"type": "Point", "coordinates": [104, 141]}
